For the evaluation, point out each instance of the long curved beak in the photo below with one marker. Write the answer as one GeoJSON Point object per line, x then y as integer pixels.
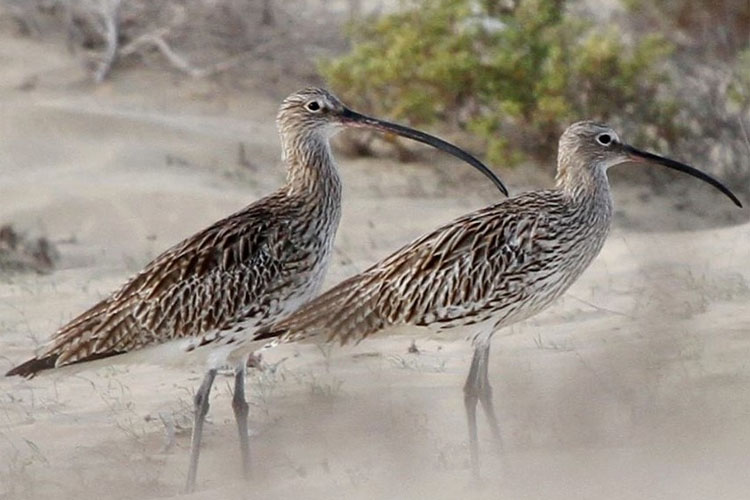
{"type": "Point", "coordinates": [637, 155]}
{"type": "Point", "coordinates": [354, 119]}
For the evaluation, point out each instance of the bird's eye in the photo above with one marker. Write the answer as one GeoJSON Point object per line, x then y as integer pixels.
{"type": "Point", "coordinates": [604, 139]}
{"type": "Point", "coordinates": [313, 106]}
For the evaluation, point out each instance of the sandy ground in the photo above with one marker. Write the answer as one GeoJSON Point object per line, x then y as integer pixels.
{"type": "Point", "coordinates": [635, 385]}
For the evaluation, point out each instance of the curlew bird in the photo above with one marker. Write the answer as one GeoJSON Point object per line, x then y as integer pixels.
{"type": "Point", "coordinates": [488, 269]}
{"type": "Point", "coordinates": [202, 299]}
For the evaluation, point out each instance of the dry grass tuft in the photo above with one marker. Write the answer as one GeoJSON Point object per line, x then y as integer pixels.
{"type": "Point", "coordinates": [18, 253]}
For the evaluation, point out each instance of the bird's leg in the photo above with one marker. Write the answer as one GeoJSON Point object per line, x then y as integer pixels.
{"type": "Point", "coordinates": [471, 396]}
{"type": "Point", "coordinates": [169, 432]}
{"type": "Point", "coordinates": [478, 389]}
{"type": "Point", "coordinates": [201, 409]}
{"type": "Point", "coordinates": [485, 396]}
{"type": "Point", "coordinates": [240, 407]}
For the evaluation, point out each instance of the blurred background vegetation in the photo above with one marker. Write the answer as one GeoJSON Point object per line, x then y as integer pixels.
{"type": "Point", "coordinates": [672, 75]}
{"type": "Point", "coordinates": [515, 74]}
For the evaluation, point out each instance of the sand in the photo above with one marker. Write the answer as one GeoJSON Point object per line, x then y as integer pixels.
{"type": "Point", "coordinates": [634, 385]}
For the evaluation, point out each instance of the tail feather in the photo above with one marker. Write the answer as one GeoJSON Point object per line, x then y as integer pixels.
{"type": "Point", "coordinates": [30, 368]}
{"type": "Point", "coordinates": [76, 342]}
{"type": "Point", "coordinates": [33, 366]}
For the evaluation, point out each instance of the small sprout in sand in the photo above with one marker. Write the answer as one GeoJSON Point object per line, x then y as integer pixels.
{"type": "Point", "coordinates": [413, 349]}
{"type": "Point", "coordinates": [21, 254]}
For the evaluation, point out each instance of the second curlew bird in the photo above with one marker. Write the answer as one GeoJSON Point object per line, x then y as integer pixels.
{"type": "Point", "coordinates": [488, 269]}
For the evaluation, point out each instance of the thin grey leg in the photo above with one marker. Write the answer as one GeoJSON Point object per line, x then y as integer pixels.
{"type": "Point", "coordinates": [471, 396]}
{"type": "Point", "coordinates": [485, 398]}
{"type": "Point", "coordinates": [201, 409]}
{"type": "Point", "coordinates": [478, 389]}
{"type": "Point", "coordinates": [240, 407]}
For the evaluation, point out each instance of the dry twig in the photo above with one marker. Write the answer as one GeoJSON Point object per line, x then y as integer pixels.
{"type": "Point", "coordinates": [109, 11]}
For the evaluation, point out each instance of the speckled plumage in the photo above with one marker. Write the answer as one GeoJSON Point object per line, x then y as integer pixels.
{"type": "Point", "coordinates": [241, 272]}
{"type": "Point", "coordinates": [505, 262]}
{"type": "Point", "coordinates": [488, 269]}
{"type": "Point", "coordinates": [501, 264]}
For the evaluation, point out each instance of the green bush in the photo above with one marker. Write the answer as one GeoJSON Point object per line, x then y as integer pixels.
{"type": "Point", "coordinates": [516, 75]}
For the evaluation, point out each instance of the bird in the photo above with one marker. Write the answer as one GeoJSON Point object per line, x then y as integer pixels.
{"type": "Point", "coordinates": [486, 270]}
{"type": "Point", "coordinates": [201, 299]}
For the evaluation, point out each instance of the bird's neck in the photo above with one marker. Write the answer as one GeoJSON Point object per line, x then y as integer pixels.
{"type": "Point", "coordinates": [311, 169]}
{"type": "Point", "coordinates": [589, 211]}
{"type": "Point", "coordinates": [588, 188]}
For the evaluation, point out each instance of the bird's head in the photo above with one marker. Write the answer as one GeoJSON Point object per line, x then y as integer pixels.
{"type": "Point", "coordinates": [595, 147]}
{"type": "Point", "coordinates": [313, 115]}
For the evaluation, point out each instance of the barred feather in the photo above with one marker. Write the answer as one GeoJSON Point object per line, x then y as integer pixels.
{"type": "Point", "coordinates": [499, 264]}
{"type": "Point", "coordinates": [246, 270]}
{"type": "Point", "coordinates": [243, 272]}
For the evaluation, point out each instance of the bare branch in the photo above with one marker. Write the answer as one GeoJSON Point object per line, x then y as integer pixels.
{"type": "Point", "coordinates": [157, 41]}
{"type": "Point", "coordinates": [110, 12]}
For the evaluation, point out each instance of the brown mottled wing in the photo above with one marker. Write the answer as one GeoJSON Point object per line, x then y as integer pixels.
{"type": "Point", "coordinates": [458, 272]}
{"type": "Point", "coordinates": [197, 286]}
